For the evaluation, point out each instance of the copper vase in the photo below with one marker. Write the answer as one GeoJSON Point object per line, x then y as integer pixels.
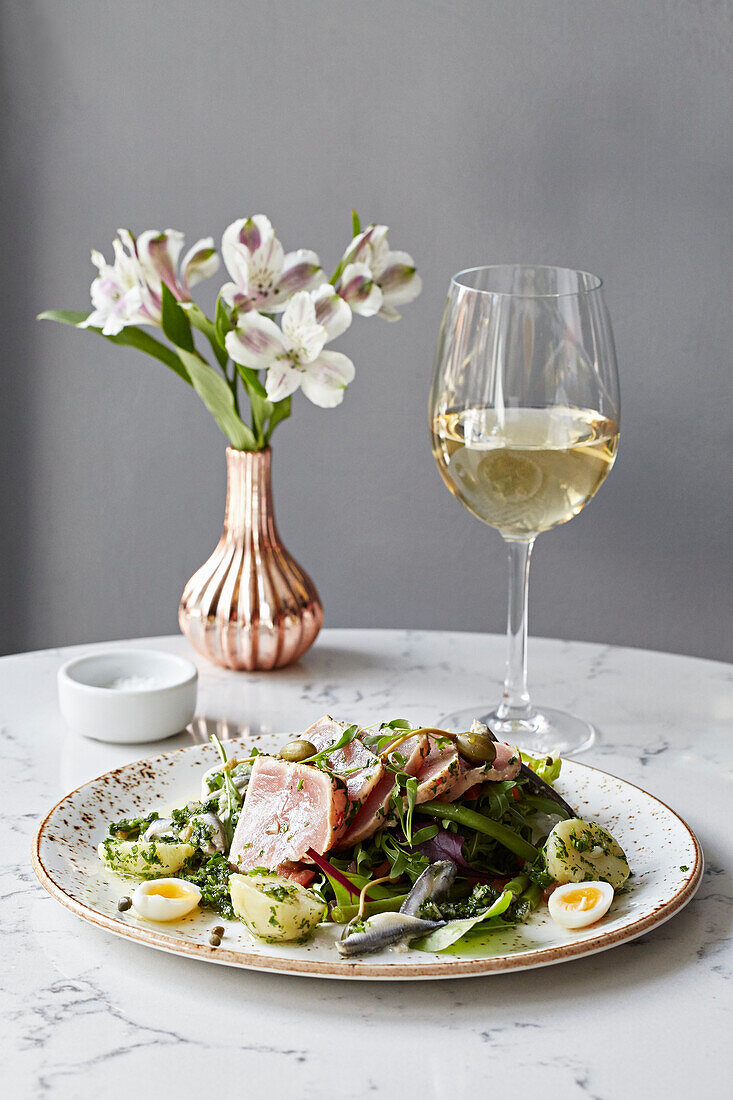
{"type": "Point", "coordinates": [250, 606]}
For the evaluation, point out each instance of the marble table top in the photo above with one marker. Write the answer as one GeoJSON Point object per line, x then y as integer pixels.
{"type": "Point", "coordinates": [86, 1014]}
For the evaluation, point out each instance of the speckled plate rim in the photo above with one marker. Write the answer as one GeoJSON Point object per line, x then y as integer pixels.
{"type": "Point", "coordinates": [344, 969]}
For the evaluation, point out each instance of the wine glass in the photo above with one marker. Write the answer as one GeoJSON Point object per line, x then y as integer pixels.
{"type": "Point", "coordinates": [524, 415]}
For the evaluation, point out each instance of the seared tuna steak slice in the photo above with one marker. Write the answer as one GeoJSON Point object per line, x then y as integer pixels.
{"type": "Point", "coordinates": [440, 771]}
{"type": "Point", "coordinates": [288, 809]}
{"type": "Point", "coordinates": [373, 813]}
{"type": "Point", "coordinates": [360, 769]}
{"type": "Point", "coordinates": [506, 765]}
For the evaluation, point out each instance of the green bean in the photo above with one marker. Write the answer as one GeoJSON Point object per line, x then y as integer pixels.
{"type": "Point", "coordinates": [529, 900]}
{"type": "Point", "coordinates": [448, 811]}
{"type": "Point", "coordinates": [342, 914]}
{"type": "Point", "coordinates": [518, 884]}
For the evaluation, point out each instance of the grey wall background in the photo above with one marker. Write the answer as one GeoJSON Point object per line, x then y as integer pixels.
{"type": "Point", "coordinates": [594, 135]}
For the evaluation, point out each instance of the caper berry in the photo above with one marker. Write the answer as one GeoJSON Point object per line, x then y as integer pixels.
{"type": "Point", "coordinates": [297, 750]}
{"type": "Point", "coordinates": [124, 904]}
{"type": "Point", "coordinates": [477, 748]}
{"type": "Point", "coordinates": [214, 940]}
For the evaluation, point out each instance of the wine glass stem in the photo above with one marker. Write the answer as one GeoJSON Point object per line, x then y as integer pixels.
{"type": "Point", "coordinates": [515, 700]}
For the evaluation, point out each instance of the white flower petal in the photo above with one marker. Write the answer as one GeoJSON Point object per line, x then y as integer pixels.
{"type": "Point", "coordinates": [282, 380]}
{"type": "Point", "coordinates": [255, 341]}
{"type": "Point", "coordinates": [300, 310]}
{"type": "Point", "coordinates": [201, 261]}
{"type": "Point", "coordinates": [232, 295]}
{"type": "Point", "coordinates": [378, 249]}
{"type": "Point", "coordinates": [399, 280]}
{"type": "Point", "coordinates": [331, 311]}
{"type": "Point", "coordinates": [326, 378]}
{"type": "Point", "coordinates": [357, 289]}
{"type": "Point", "coordinates": [359, 247]}
{"type": "Point", "coordinates": [158, 255]}
{"type": "Point", "coordinates": [96, 319]}
{"type": "Point", "coordinates": [250, 232]}
{"type": "Point", "coordinates": [231, 249]}
{"type": "Point", "coordinates": [237, 260]}
{"type": "Point", "coordinates": [305, 335]}
{"type": "Point", "coordinates": [256, 231]}
{"type": "Point", "coordinates": [267, 261]}
{"type": "Point", "coordinates": [301, 270]}
{"type": "Point", "coordinates": [99, 261]}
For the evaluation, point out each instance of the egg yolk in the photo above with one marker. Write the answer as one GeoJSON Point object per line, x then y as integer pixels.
{"type": "Point", "coordinates": [582, 899]}
{"type": "Point", "coordinates": [168, 890]}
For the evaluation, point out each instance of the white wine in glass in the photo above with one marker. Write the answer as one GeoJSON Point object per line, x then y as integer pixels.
{"type": "Point", "coordinates": [525, 427]}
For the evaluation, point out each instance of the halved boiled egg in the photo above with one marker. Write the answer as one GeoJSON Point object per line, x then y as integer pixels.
{"type": "Point", "coordinates": [164, 899]}
{"type": "Point", "coordinates": [578, 904]}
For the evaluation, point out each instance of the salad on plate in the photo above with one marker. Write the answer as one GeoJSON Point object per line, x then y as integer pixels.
{"type": "Point", "coordinates": [399, 835]}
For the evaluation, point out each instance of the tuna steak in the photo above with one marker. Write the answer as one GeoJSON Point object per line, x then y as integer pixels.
{"type": "Point", "coordinates": [360, 769]}
{"type": "Point", "coordinates": [440, 770]}
{"type": "Point", "coordinates": [373, 814]}
{"type": "Point", "coordinates": [506, 765]}
{"type": "Point", "coordinates": [288, 809]}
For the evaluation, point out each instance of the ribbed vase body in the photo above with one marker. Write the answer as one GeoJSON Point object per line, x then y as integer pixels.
{"type": "Point", "coordinates": [250, 606]}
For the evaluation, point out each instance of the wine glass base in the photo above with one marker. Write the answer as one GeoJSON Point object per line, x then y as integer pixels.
{"type": "Point", "coordinates": [547, 731]}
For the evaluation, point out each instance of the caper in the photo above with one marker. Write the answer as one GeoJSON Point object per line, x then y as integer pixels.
{"type": "Point", "coordinates": [477, 748]}
{"type": "Point", "coordinates": [297, 750]}
{"type": "Point", "coordinates": [214, 940]}
{"type": "Point", "coordinates": [124, 904]}
{"type": "Point", "coordinates": [218, 931]}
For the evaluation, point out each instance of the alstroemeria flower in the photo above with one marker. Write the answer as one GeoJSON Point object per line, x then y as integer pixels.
{"type": "Point", "coordinates": [158, 255]}
{"type": "Point", "coordinates": [294, 356]}
{"type": "Point", "coordinates": [128, 291]}
{"type": "Point", "coordinates": [375, 280]}
{"type": "Point", "coordinates": [264, 278]}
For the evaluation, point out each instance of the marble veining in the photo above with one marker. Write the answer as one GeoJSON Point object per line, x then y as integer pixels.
{"type": "Point", "coordinates": [87, 1014]}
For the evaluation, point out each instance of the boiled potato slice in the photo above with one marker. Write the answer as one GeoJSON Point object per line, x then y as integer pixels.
{"type": "Point", "coordinates": [581, 851]}
{"type": "Point", "coordinates": [145, 859]}
{"type": "Point", "coordinates": [275, 908]}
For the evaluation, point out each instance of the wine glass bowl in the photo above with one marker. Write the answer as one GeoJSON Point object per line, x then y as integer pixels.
{"type": "Point", "coordinates": [524, 416]}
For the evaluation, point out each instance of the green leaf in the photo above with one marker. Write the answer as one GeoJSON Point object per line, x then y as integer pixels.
{"type": "Point", "coordinates": [280, 411]}
{"type": "Point", "coordinates": [176, 324]}
{"type": "Point", "coordinates": [355, 224]}
{"type": "Point", "coordinates": [199, 320]}
{"type": "Point", "coordinates": [223, 320]}
{"type": "Point", "coordinates": [130, 337]}
{"type": "Point", "coordinates": [252, 383]}
{"type": "Point", "coordinates": [219, 400]}
{"type": "Point", "coordinates": [451, 932]}
{"type": "Point", "coordinates": [546, 767]}
{"type": "Point", "coordinates": [64, 316]}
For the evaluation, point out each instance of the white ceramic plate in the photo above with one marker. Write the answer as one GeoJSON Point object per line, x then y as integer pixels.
{"type": "Point", "coordinates": [662, 850]}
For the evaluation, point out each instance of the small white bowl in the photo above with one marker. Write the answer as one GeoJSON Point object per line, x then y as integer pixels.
{"type": "Point", "coordinates": [128, 695]}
